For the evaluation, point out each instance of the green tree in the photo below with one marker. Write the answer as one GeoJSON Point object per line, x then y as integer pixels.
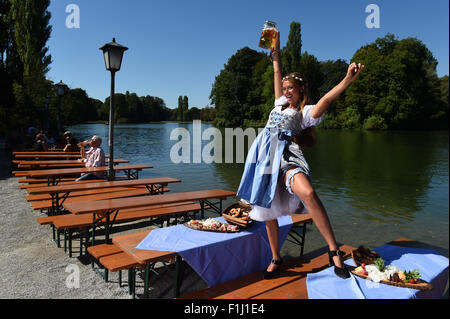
{"type": "Point", "coordinates": [399, 89]}
{"type": "Point", "coordinates": [231, 87]}
{"type": "Point", "coordinates": [333, 72]}
{"type": "Point", "coordinates": [310, 69]}
{"type": "Point", "coordinates": [29, 21]}
{"type": "Point", "coordinates": [291, 53]}
{"type": "Point", "coordinates": [24, 60]}
{"type": "Point", "coordinates": [180, 109]}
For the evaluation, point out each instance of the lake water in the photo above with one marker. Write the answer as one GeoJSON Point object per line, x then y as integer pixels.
{"type": "Point", "coordinates": [376, 186]}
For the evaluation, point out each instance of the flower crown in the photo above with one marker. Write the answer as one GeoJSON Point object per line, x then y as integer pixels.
{"type": "Point", "coordinates": [292, 77]}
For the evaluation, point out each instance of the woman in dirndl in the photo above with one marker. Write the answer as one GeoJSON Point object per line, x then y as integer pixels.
{"type": "Point", "coordinates": [277, 178]}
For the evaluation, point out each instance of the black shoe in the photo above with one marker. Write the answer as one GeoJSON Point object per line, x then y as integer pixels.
{"type": "Point", "coordinates": [274, 273]}
{"type": "Point", "coordinates": [340, 272]}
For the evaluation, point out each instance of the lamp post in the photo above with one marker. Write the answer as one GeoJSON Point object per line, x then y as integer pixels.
{"type": "Point", "coordinates": [113, 53]}
{"type": "Point", "coordinates": [60, 91]}
{"type": "Point", "coordinates": [46, 115]}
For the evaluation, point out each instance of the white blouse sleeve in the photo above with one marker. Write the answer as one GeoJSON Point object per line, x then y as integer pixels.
{"type": "Point", "coordinates": [282, 100]}
{"type": "Point", "coordinates": [307, 119]}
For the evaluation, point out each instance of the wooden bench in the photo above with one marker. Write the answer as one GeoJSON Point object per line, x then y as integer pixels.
{"type": "Point", "coordinates": [116, 262]}
{"type": "Point", "coordinates": [47, 204]}
{"type": "Point", "coordinates": [39, 182]}
{"type": "Point", "coordinates": [290, 284]}
{"type": "Point", "coordinates": [64, 181]}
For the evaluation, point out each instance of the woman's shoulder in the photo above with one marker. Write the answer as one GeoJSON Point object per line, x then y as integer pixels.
{"type": "Point", "coordinates": [308, 108]}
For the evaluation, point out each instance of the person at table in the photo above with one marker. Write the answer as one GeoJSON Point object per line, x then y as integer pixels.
{"type": "Point", "coordinates": [277, 179]}
{"type": "Point", "coordinates": [40, 144]}
{"type": "Point", "coordinates": [94, 157]}
{"type": "Point", "coordinates": [72, 144]}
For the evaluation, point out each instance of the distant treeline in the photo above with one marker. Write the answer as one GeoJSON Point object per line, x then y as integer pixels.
{"type": "Point", "coordinates": [398, 89]}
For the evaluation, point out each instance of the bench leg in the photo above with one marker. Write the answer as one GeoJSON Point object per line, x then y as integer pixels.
{"type": "Point", "coordinates": [146, 280]}
{"type": "Point", "coordinates": [65, 240]}
{"type": "Point", "coordinates": [58, 238]}
{"type": "Point", "coordinates": [106, 275]}
{"type": "Point", "coordinates": [297, 238]}
{"type": "Point", "coordinates": [70, 242]}
{"type": "Point", "coordinates": [81, 241]}
{"type": "Point", "coordinates": [179, 274]}
{"type": "Point", "coordinates": [131, 281]}
{"type": "Point", "coordinates": [303, 241]}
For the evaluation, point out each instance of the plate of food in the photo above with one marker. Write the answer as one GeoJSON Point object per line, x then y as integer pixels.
{"type": "Point", "coordinates": [370, 266]}
{"type": "Point", "coordinates": [213, 225]}
{"type": "Point", "coordinates": [238, 214]}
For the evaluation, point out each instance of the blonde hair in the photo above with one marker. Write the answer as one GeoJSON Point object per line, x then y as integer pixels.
{"type": "Point", "coordinates": [307, 137]}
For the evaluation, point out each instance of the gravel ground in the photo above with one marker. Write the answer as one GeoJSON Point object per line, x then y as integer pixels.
{"type": "Point", "coordinates": [32, 266]}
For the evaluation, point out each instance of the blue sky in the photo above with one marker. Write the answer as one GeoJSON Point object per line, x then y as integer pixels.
{"type": "Point", "coordinates": [178, 47]}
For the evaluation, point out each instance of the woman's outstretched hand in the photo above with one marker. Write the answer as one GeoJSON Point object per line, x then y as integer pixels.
{"type": "Point", "coordinates": [354, 70]}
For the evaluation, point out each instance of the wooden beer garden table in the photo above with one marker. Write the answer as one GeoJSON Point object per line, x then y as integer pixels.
{"type": "Point", "coordinates": [54, 175]}
{"type": "Point", "coordinates": [43, 152]}
{"type": "Point", "coordinates": [103, 209]}
{"type": "Point", "coordinates": [60, 193]}
{"type": "Point", "coordinates": [61, 155]}
{"type": "Point", "coordinates": [58, 163]}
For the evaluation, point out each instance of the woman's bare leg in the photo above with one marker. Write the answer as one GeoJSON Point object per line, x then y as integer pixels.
{"type": "Point", "coordinates": [272, 233]}
{"type": "Point", "coordinates": [302, 187]}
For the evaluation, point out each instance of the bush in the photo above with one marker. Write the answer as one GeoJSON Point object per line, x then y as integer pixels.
{"type": "Point", "coordinates": [375, 122]}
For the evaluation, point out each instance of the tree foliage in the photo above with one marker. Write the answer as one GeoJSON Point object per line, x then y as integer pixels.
{"type": "Point", "coordinates": [231, 87]}
{"type": "Point", "coordinates": [24, 32]}
{"type": "Point", "coordinates": [398, 89]}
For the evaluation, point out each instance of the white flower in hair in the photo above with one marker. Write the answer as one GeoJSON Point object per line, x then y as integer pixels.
{"type": "Point", "coordinates": [293, 77]}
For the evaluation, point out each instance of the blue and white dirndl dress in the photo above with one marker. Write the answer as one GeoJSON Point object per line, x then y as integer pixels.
{"type": "Point", "coordinates": [271, 155]}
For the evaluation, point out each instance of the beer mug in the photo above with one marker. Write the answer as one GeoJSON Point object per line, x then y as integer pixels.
{"type": "Point", "coordinates": [84, 143]}
{"type": "Point", "coordinates": [267, 39]}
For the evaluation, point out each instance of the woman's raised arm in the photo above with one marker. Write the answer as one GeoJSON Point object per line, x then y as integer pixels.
{"type": "Point", "coordinates": [277, 67]}
{"type": "Point", "coordinates": [352, 73]}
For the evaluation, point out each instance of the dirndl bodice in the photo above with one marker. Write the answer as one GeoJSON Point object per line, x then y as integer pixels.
{"type": "Point", "coordinates": [272, 153]}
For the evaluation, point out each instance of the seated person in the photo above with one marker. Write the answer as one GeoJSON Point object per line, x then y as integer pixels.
{"type": "Point", "coordinates": [40, 144]}
{"type": "Point", "coordinates": [71, 145]}
{"type": "Point", "coordinates": [94, 157]}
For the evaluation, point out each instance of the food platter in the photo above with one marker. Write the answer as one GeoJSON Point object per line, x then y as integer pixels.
{"type": "Point", "coordinates": [370, 266]}
{"type": "Point", "coordinates": [216, 226]}
{"type": "Point", "coordinates": [238, 214]}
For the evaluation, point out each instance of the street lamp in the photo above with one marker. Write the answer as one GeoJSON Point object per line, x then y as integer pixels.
{"type": "Point", "coordinates": [46, 115]}
{"type": "Point", "coordinates": [113, 53]}
{"type": "Point", "coordinates": [60, 91]}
